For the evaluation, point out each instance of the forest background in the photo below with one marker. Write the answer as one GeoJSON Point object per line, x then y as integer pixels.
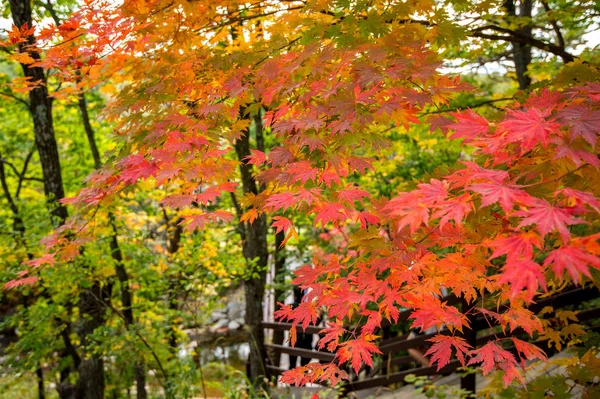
{"type": "Point", "coordinates": [155, 155]}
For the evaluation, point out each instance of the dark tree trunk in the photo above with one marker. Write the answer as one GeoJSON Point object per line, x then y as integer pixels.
{"type": "Point", "coordinates": [40, 382]}
{"type": "Point", "coordinates": [255, 251]}
{"type": "Point", "coordinates": [116, 253]}
{"type": "Point", "coordinates": [92, 307]}
{"type": "Point", "coordinates": [91, 371]}
{"type": "Point", "coordinates": [521, 52]}
{"type": "Point", "coordinates": [278, 293]}
{"type": "Point", "coordinates": [40, 105]}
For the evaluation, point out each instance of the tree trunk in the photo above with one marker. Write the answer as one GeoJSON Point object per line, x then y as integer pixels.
{"type": "Point", "coordinates": [278, 293]}
{"type": "Point", "coordinates": [521, 52]}
{"type": "Point", "coordinates": [40, 105]}
{"type": "Point", "coordinates": [116, 253]}
{"type": "Point", "coordinates": [254, 247]}
{"type": "Point", "coordinates": [91, 371]}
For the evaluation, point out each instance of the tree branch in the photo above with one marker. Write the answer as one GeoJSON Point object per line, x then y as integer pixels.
{"type": "Point", "coordinates": [516, 37]}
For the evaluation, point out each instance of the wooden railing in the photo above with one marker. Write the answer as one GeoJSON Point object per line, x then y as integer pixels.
{"type": "Point", "coordinates": [381, 374]}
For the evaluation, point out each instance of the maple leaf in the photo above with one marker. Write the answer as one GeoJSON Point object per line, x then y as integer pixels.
{"type": "Point", "coordinates": [529, 351]}
{"type": "Point", "coordinates": [489, 355]}
{"type": "Point", "coordinates": [528, 127]}
{"type": "Point", "coordinates": [280, 201]}
{"type": "Point", "coordinates": [330, 372]}
{"type": "Point", "coordinates": [137, 167]}
{"type": "Point", "coordinates": [575, 260]}
{"type": "Point", "coordinates": [475, 172]}
{"type": "Point", "coordinates": [250, 216]}
{"type": "Point", "coordinates": [454, 209]}
{"type": "Point", "coordinates": [548, 218]}
{"type": "Point", "coordinates": [360, 164]}
{"type": "Point", "coordinates": [579, 198]}
{"type": "Point", "coordinates": [178, 200]}
{"type": "Point", "coordinates": [469, 125]}
{"type": "Point", "coordinates": [522, 274]}
{"type": "Point", "coordinates": [350, 195]}
{"type": "Point", "coordinates": [434, 192]}
{"type": "Point", "coordinates": [257, 157]}
{"type": "Point", "coordinates": [505, 195]}
{"type": "Point", "coordinates": [302, 171]}
{"type": "Point", "coordinates": [519, 243]}
{"type": "Point", "coordinates": [281, 224]}
{"type": "Point", "coordinates": [358, 351]}
{"type": "Point", "coordinates": [373, 321]}
{"type": "Point", "coordinates": [367, 218]}
{"type": "Point", "coordinates": [332, 335]}
{"type": "Point", "coordinates": [432, 313]}
{"type": "Point", "coordinates": [296, 376]}
{"type": "Point", "coordinates": [46, 259]}
{"type": "Point", "coordinates": [31, 280]}
{"type": "Point", "coordinates": [441, 350]}
{"type": "Point", "coordinates": [335, 213]}
{"type": "Point", "coordinates": [306, 313]}
{"type": "Point", "coordinates": [583, 121]}
{"type": "Point", "coordinates": [280, 156]}
{"type": "Point", "coordinates": [577, 155]}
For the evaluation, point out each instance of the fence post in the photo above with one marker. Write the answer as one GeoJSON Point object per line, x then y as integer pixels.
{"type": "Point", "coordinates": [468, 382]}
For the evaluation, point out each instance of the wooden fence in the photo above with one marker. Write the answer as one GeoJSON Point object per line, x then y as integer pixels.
{"type": "Point", "coordinates": [383, 374]}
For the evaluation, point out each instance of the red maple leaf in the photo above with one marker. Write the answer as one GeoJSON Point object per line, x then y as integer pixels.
{"type": "Point", "coordinates": [490, 355]}
{"type": "Point", "coordinates": [522, 274]}
{"type": "Point", "coordinates": [257, 158]}
{"type": "Point", "coordinates": [574, 152]}
{"type": "Point", "coordinates": [548, 218]}
{"type": "Point", "coordinates": [505, 195]}
{"type": "Point", "coordinates": [178, 200]}
{"type": "Point", "coordinates": [528, 128]}
{"type": "Point", "coordinates": [280, 201]}
{"type": "Point", "coordinates": [367, 218]}
{"type": "Point", "coordinates": [280, 156]}
{"type": "Point", "coordinates": [519, 243]}
{"type": "Point", "coordinates": [332, 335]}
{"type": "Point", "coordinates": [302, 171]}
{"type": "Point", "coordinates": [529, 351]}
{"type": "Point", "coordinates": [584, 122]}
{"type": "Point", "coordinates": [357, 351]}
{"type": "Point", "coordinates": [441, 350]}
{"type": "Point", "coordinates": [19, 282]}
{"type": "Point", "coordinates": [469, 125]}
{"type": "Point", "coordinates": [579, 199]}
{"type": "Point", "coordinates": [454, 209]}
{"type": "Point", "coordinates": [46, 259]}
{"type": "Point", "coordinates": [432, 313]}
{"type": "Point", "coordinates": [373, 321]}
{"type": "Point", "coordinates": [281, 224]}
{"type": "Point", "coordinates": [330, 372]}
{"type": "Point", "coordinates": [575, 260]}
{"type": "Point", "coordinates": [335, 213]}
{"type": "Point", "coordinates": [350, 194]}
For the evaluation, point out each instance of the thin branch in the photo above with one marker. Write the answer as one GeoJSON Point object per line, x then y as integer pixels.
{"type": "Point", "coordinates": [24, 170]}
{"type": "Point", "coordinates": [516, 37]}
{"type": "Point", "coordinates": [19, 99]}
{"type": "Point", "coordinates": [559, 37]}
{"type": "Point", "coordinates": [476, 105]}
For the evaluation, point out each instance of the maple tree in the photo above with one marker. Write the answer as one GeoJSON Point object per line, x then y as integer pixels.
{"type": "Point", "coordinates": [274, 112]}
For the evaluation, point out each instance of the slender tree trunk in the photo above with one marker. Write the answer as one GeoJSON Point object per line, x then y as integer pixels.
{"type": "Point", "coordinates": [256, 252]}
{"type": "Point", "coordinates": [278, 293]}
{"type": "Point", "coordinates": [40, 382]}
{"type": "Point", "coordinates": [116, 253]}
{"type": "Point", "coordinates": [90, 384]}
{"type": "Point", "coordinates": [174, 232]}
{"type": "Point", "coordinates": [521, 52]}
{"type": "Point", "coordinates": [40, 105]}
